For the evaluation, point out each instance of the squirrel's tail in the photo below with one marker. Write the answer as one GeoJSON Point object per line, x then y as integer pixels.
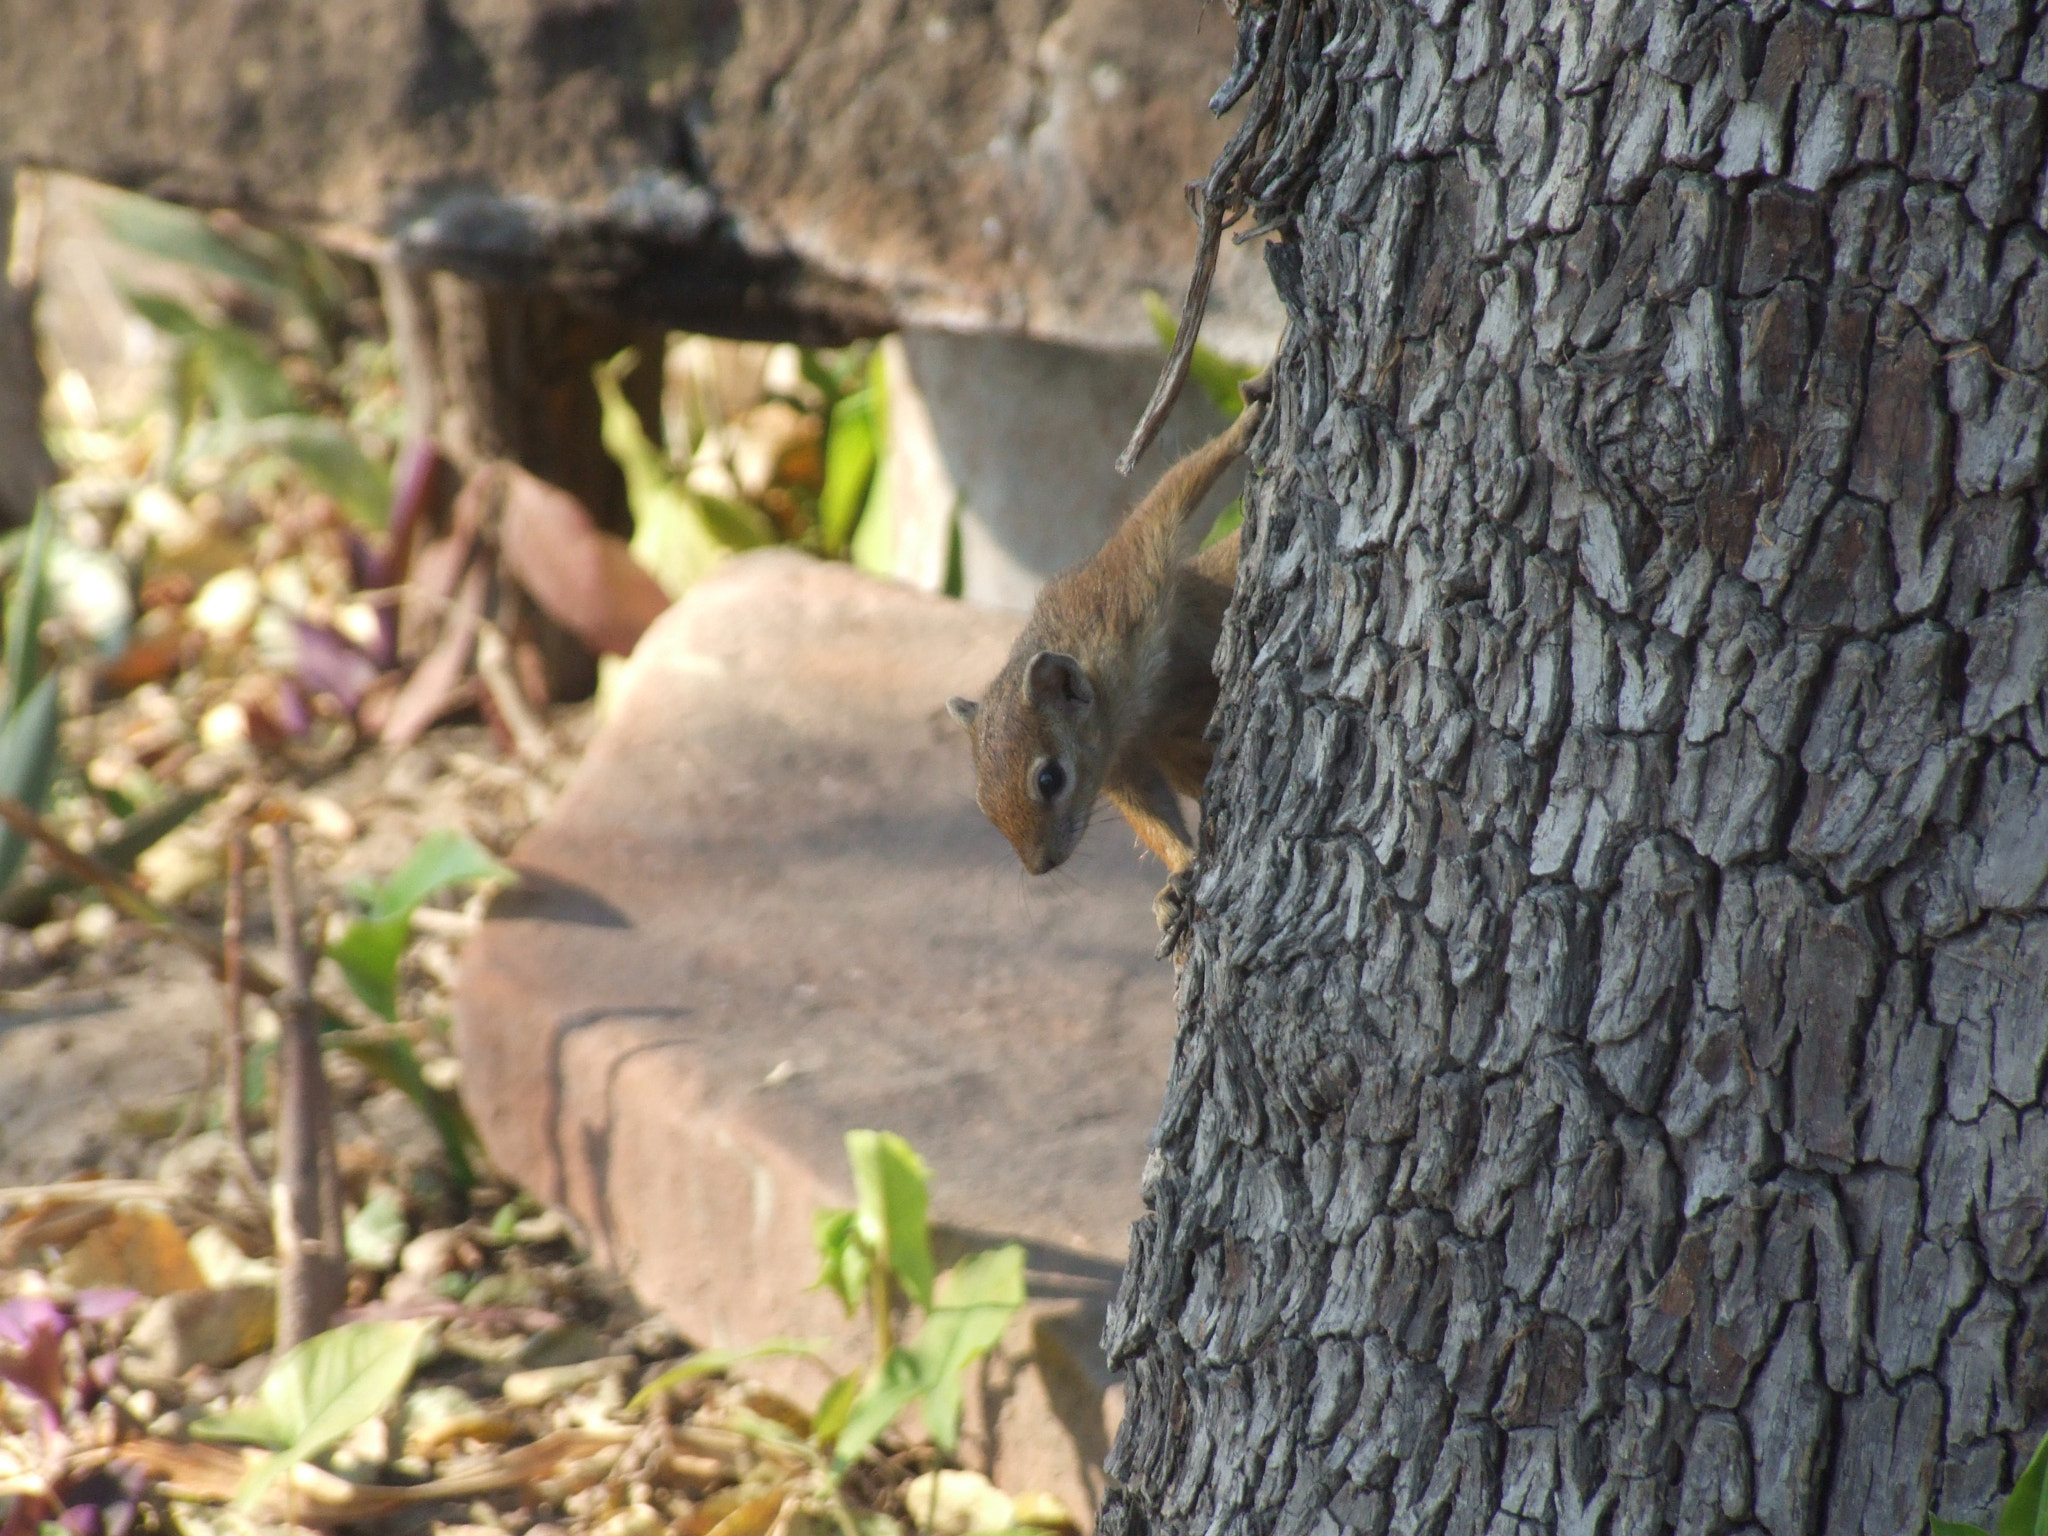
{"type": "Point", "coordinates": [1168, 513]}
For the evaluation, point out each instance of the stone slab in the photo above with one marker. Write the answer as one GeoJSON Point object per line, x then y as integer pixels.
{"type": "Point", "coordinates": [795, 169]}
{"type": "Point", "coordinates": [1026, 434]}
{"type": "Point", "coordinates": [766, 910]}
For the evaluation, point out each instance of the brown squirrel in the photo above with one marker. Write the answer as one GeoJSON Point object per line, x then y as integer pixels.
{"type": "Point", "coordinates": [1109, 689]}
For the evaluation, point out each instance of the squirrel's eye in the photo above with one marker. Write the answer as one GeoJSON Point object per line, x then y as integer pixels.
{"type": "Point", "coordinates": [1052, 778]}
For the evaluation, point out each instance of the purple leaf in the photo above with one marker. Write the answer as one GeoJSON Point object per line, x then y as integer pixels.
{"type": "Point", "coordinates": [364, 567]}
{"type": "Point", "coordinates": [24, 1320]}
{"type": "Point", "coordinates": [33, 1328]}
{"type": "Point", "coordinates": [329, 664]}
{"type": "Point", "coordinates": [103, 1370]}
{"type": "Point", "coordinates": [102, 1302]}
{"type": "Point", "coordinates": [289, 708]}
{"type": "Point", "coordinates": [422, 483]}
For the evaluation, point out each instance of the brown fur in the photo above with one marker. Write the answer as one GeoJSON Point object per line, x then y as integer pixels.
{"type": "Point", "coordinates": [1111, 678]}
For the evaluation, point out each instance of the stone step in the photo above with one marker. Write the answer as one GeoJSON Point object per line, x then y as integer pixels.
{"type": "Point", "coordinates": [766, 911]}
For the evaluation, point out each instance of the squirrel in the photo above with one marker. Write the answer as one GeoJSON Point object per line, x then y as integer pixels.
{"type": "Point", "coordinates": [1110, 687]}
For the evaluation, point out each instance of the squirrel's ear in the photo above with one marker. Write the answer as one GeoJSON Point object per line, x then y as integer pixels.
{"type": "Point", "coordinates": [963, 710]}
{"type": "Point", "coordinates": [1054, 680]}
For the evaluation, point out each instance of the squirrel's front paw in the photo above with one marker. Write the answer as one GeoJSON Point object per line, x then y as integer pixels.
{"type": "Point", "coordinates": [1173, 908]}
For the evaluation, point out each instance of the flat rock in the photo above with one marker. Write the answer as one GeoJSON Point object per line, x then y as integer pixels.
{"type": "Point", "coordinates": [766, 911]}
{"type": "Point", "coordinates": [793, 169]}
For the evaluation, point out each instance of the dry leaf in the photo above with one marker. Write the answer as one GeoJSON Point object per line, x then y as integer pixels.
{"type": "Point", "coordinates": [205, 1327]}
{"type": "Point", "coordinates": [212, 1474]}
{"type": "Point", "coordinates": [953, 1502]}
{"type": "Point", "coordinates": [753, 1518]}
{"type": "Point", "coordinates": [1043, 1510]}
{"type": "Point", "coordinates": [55, 1223]}
{"type": "Point", "coordinates": [136, 1248]}
{"type": "Point", "coordinates": [774, 1406]}
{"type": "Point", "coordinates": [440, 683]}
{"type": "Point", "coordinates": [529, 1389]}
{"type": "Point", "coordinates": [585, 580]}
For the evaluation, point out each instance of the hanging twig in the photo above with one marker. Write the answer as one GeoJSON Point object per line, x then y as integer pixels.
{"type": "Point", "coordinates": [1219, 201]}
{"type": "Point", "coordinates": [232, 1035]}
{"type": "Point", "coordinates": [306, 1197]}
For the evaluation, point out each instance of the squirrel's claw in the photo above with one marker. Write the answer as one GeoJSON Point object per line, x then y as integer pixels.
{"type": "Point", "coordinates": [1173, 909]}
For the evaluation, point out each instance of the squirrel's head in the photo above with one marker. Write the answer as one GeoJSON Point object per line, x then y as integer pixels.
{"type": "Point", "coordinates": [1037, 757]}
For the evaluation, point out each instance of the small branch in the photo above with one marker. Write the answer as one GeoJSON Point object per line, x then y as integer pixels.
{"type": "Point", "coordinates": [120, 891]}
{"type": "Point", "coordinates": [232, 1033]}
{"type": "Point", "coordinates": [494, 666]}
{"type": "Point", "coordinates": [1175, 374]}
{"type": "Point", "coordinates": [305, 1199]}
{"type": "Point", "coordinates": [1218, 200]}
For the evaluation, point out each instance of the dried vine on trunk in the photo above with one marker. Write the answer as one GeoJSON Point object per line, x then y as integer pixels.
{"type": "Point", "coordinates": [1608, 1094]}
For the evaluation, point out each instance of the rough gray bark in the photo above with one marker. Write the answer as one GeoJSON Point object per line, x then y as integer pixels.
{"type": "Point", "coordinates": [25, 467]}
{"type": "Point", "coordinates": [1608, 1094]}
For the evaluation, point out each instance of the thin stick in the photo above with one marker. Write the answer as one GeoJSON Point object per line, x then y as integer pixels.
{"type": "Point", "coordinates": [1215, 200]}
{"type": "Point", "coordinates": [494, 666]}
{"type": "Point", "coordinates": [305, 1203]}
{"type": "Point", "coordinates": [236, 1040]}
{"type": "Point", "coordinates": [120, 891]}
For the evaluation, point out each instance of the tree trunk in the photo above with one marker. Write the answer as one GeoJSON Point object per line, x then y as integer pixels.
{"type": "Point", "coordinates": [1608, 1088]}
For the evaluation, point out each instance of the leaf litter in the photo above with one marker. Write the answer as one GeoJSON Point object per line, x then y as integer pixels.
{"type": "Point", "coordinates": [260, 608]}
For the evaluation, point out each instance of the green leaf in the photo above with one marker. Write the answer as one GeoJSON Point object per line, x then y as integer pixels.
{"type": "Point", "coordinates": [1214, 375]}
{"type": "Point", "coordinates": [844, 1258]}
{"type": "Point", "coordinates": [2024, 1513]}
{"type": "Point", "coordinates": [678, 534]}
{"type": "Point", "coordinates": [734, 525]}
{"type": "Point", "coordinates": [893, 1388]}
{"type": "Point", "coordinates": [166, 314]}
{"type": "Point", "coordinates": [377, 1232]}
{"type": "Point", "coordinates": [395, 1062]}
{"type": "Point", "coordinates": [871, 545]}
{"type": "Point", "coordinates": [973, 1303]}
{"type": "Point", "coordinates": [442, 859]}
{"type": "Point", "coordinates": [889, 1185]}
{"type": "Point", "coordinates": [28, 760]}
{"type": "Point", "coordinates": [1228, 521]}
{"type": "Point", "coordinates": [851, 447]}
{"type": "Point", "coordinates": [180, 235]}
{"type": "Point", "coordinates": [708, 1362]}
{"type": "Point", "coordinates": [239, 377]}
{"type": "Point", "coordinates": [28, 604]}
{"type": "Point", "coordinates": [316, 1394]}
{"type": "Point", "coordinates": [1941, 1527]}
{"type": "Point", "coordinates": [324, 451]}
{"type": "Point", "coordinates": [830, 1418]}
{"type": "Point", "coordinates": [368, 953]}
{"type": "Point", "coordinates": [224, 364]}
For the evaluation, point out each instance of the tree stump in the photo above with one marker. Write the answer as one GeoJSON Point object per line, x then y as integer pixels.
{"type": "Point", "coordinates": [492, 371]}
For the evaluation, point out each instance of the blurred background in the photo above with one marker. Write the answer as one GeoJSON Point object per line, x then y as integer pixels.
{"type": "Point", "coordinates": [340, 335]}
{"type": "Point", "coordinates": [373, 375]}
